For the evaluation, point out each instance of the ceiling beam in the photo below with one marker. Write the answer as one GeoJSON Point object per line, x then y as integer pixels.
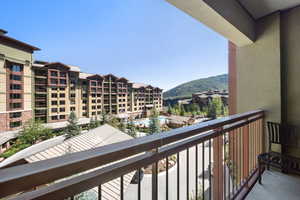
{"type": "Point", "coordinates": [225, 17]}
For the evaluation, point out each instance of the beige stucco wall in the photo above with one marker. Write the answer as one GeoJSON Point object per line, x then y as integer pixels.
{"type": "Point", "coordinates": [291, 61]}
{"type": "Point", "coordinates": [258, 71]}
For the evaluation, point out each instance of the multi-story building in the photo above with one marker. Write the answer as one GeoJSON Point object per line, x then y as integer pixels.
{"type": "Point", "coordinates": [60, 89]}
{"type": "Point", "coordinates": [50, 91]}
{"type": "Point", "coordinates": [203, 98]}
{"type": "Point", "coordinates": [15, 82]}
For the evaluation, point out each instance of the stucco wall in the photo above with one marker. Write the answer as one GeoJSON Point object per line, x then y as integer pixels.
{"type": "Point", "coordinates": [291, 61]}
{"type": "Point", "coordinates": [258, 71]}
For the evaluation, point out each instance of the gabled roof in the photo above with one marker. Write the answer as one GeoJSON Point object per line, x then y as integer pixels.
{"type": "Point", "coordinates": [57, 64]}
{"type": "Point", "coordinates": [95, 76]}
{"type": "Point", "coordinates": [111, 75]}
{"type": "Point", "coordinates": [83, 75]}
{"type": "Point", "coordinates": [4, 38]}
{"type": "Point", "coordinates": [123, 79]}
{"type": "Point", "coordinates": [139, 85]}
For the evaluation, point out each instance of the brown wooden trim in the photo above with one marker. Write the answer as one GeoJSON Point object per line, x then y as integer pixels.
{"type": "Point", "coordinates": [232, 70]}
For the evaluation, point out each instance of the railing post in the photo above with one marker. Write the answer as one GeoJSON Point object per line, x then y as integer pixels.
{"type": "Point", "coordinates": [155, 178]}
{"type": "Point", "coordinates": [218, 169]}
{"type": "Point", "coordinates": [245, 151]}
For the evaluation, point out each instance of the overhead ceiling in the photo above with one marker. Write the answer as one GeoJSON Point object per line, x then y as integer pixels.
{"type": "Point", "coordinates": [260, 8]}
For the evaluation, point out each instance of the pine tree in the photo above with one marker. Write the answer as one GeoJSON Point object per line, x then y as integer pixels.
{"type": "Point", "coordinates": [154, 125]}
{"type": "Point", "coordinates": [72, 129]}
{"type": "Point", "coordinates": [131, 130]}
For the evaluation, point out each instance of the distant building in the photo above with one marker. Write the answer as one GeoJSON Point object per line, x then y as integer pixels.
{"type": "Point", "coordinates": [49, 91]}
{"type": "Point", "coordinates": [203, 98]}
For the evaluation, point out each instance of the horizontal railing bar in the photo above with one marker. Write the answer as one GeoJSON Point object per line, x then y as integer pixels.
{"type": "Point", "coordinates": [92, 179]}
{"type": "Point", "coordinates": [24, 177]}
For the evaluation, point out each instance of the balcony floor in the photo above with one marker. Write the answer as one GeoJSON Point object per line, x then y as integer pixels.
{"type": "Point", "coordinates": [276, 186]}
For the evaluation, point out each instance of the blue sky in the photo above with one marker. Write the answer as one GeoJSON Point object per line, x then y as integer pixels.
{"type": "Point", "coordinates": [143, 40]}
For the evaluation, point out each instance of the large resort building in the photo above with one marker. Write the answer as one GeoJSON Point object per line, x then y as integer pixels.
{"type": "Point", "coordinates": [50, 91]}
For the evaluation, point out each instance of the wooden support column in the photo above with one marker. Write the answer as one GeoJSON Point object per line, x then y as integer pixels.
{"type": "Point", "coordinates": [245, 151]}
{"type": "Point", "coordinates": [218, 168]}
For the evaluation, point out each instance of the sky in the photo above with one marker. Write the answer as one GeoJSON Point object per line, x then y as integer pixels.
{"type": "Point", "coordinates": [147, 41]}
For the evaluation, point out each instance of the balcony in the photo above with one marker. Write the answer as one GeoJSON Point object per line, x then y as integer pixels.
{"type": "Point", "coordinates": [214, 160]}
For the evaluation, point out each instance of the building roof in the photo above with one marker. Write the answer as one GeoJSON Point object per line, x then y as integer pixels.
{"type": "Point", "coordinates": [83, 75]}
{"type": "Point", "coordinates": [58, 125]}
{"type": "Point", "coordinates": [55, 147]}
{"type": "Point", "coordinates": [97, 137]}
{"type": "Point", "coordinates": [7, 136]}
{"type": "Point", "coordinates": [139, 85]}
{"type": "Point", "coordinates": [72, 68]}
{"type": "Point", "coordinates": [5, 38]}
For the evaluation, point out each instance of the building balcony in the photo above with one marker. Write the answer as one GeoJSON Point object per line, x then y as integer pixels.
{"type": "Point", "coordinates": [203, 156]}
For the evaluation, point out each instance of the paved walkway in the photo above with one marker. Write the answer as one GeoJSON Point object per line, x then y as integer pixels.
{"type": "Point", "coordinates": [146, 184]}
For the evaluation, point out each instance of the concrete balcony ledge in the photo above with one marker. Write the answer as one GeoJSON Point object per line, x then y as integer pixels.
{"type": "Point", "coordinates": [276, 186]}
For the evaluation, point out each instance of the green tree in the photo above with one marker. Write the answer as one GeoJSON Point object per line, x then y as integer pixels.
{"type": "Point", "coordinates": [97, 122]}
{"type": "Point", "coordinates": [72, 129]}
{"type": "Point", "coordinates": [154, 124]}
{"type": "Point", "coordinates": [169, 111]}
{"type": "Point", "coordinates": [131, 129]}
{"type": "Point", "coordinates": [34, 131]}
{"type": "Point", "coordinates": [122, 127]}
{"type": "Point", "coordinates": [104, 118]}
{"type": "Point", "coordinates": [215, 108]}
{"type": "Point", "coordinates": [182, 110]}
{"type": "Point", "coordinates": [92, 123]}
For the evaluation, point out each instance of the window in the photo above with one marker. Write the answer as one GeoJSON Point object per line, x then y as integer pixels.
{"type": "Point", "coordinates": [84, 95]}
{"type": "Point", "coordinates": [84, 101]}
{"type": "Point", "coordinates": [93, 83]}
{"type": "Point", "coordinates": [63, 74]}
{"type": "Point", "coordinates": [62, 110]}
{"type": "Point", "coordinates": [62, 95]}
{"type": "Point", "coordinates": [54, 117]}
{"type": "Point", "coordinates": [15, 105]}
{"type": "Point", "coordinates": [93, 113]}
{"type": "Point", "coordinates": [73, 95]}
{"type": "Point", "coordinates": [16, 68]}
{"type": "Point", "coordinates": [15, 115]}
{"type": "Point", "coordinates": [53, 109]}
{"type": "Point", "coordinates": [98, 107]}
{"type": "Point", "coordinates": [15, 77]}
{"type": "Point", "coordinates": [62, 117]}
{"type": "Point", "coordinates": [54, 95]}
{"type": "Point", "coordinates": [99, 101]}
{"type": "Point", "coordinates": [93, 101]}
{"type": "Point", "coordinates": [94, 95]}
{"type": "Point", "coordinates": [72, 108]}
{"type": "Point", "coordinates": [83, 107]}
{"type": "Point", "coordinates": [15, 124]}
{"type": "Point", "coordinates": [93, 107]}
{"type": "Point", "coordinates": [55, 88]}
{"type": "Point", "coordinates": [53, 102]}
{"type": "Point", "coordinates": [62, 102]}
{"type": "Point", "coordinates": [62, 89]}
{"type": "Point", "coordinates": [15, 87]}
{"type": "Point", "coordinates": [63, 81]}
{"type": "Point", "coordinates": [15, 96]}
{"type": "Point", "coordinates": [54, 73]}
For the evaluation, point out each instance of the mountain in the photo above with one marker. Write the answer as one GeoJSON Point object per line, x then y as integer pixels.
{"type": "Point", "coordinates": [219, 82]}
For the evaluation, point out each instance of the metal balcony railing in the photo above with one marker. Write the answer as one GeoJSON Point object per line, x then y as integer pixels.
{"type": "Point", "coordinates": [224, 164]}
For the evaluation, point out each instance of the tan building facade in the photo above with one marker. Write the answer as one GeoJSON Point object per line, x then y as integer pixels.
{"type": "Point", "coordinates": [49, 92]}
{"type": "Point", "coordinates": [61, 89]}
{"type": "Point", "coordinates": [15, 82]}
